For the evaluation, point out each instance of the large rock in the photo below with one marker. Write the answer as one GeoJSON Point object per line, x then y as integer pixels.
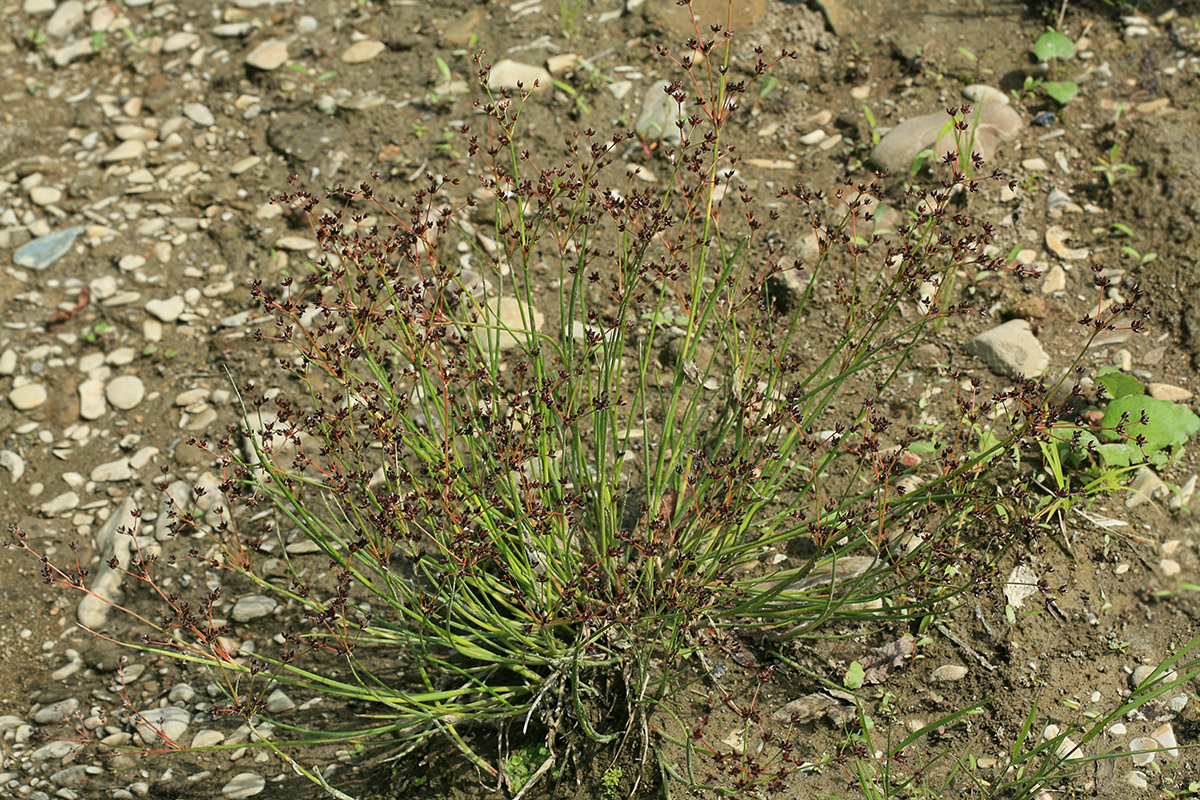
{"type": "Point", "coordinates": [93, 609]}
{"type": "Point", "coordinates": [992, 123]}
{"type": "Point", "coordinates": [1010, 349]}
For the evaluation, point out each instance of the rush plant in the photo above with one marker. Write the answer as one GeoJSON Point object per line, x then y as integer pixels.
{"type": "Point", "coordinates": [548, 426]}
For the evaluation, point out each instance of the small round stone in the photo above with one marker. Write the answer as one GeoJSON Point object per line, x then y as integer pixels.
{"type": "Point", "coordinates": [27, 397]}
{"type": "Point", "coordinates": [252, 607]}
{"type": "Point", "coordinates": [948, 673]}
{"type": "Point", "coordinates": [125, 392]}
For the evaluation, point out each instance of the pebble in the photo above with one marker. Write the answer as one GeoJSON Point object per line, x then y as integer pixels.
{"type": "Point", "coordinates": [512, 315]}
{"type": "Point", "coordinates": [1056, 240]}
{"type": "Point", "coordinates": [125, 392]}
{"type": "Point", "coordinates": [1056, 280]}
{"type": "Point", "coordinates": [1142, 673]}
{"type": "Point", "coordinates": [125, 151]}
{"type": "Point", "coordinates": [207, 738]}
{"type": "Point", "coordinates": [982, 93]}
{"type": "Point", "coordinates": [44, 251]}
{"type": "Point", "coordinates": [199, 114]}
{"type": "Point", "coordinates": [64, 502]}
{"type": "Point", "coordinates": [900, 146]}
{"type": "Point", "coordinates": [172, 722]}
{"type": "Point", "coordinates": [245, 165]}
{"type": "Point", "coordinates": [28, 397]}
{"type": "Point", "coordinates": [253, 607]}
{"type": "Point", "coordinates": [363, 51]}
{"type": "Point", "coordinates": [244, 784]}
{"type": "Point", "coordinates": [45, 195]}
{"type": "Point", "coordinates": [8, 362]}
{"type": "Point", "coordinates": [167, 310]}
{"type": "Point", "coordinates": [295, 243]}
{"type": "Point", "coordinates": [278, 702]}
{"type": "Point", "coordinates": [1172, 394]}
{"type": "Point", "coordinates": [181, 40]}
{"type": "Point", "coordinates": [1009, 349]}
{"type": "Point", "coordinates": [112, 471]}
{"type": "Point", "coordinates": [66, 18]}
{"type": "Point", "coordinates": [1139, 748]}
{"type": "Point", "coordinates": [267, 56]}
{"type": "Point", "coordinates": [181, 693]}
{"type": "Point", "coordinates": [1035, 164]}
{"type": "Point", "coordinates": [506, 74]}
{"type": "Point", "coordinates": [1146, 486]}
{"type": "Point", "coordinates": [131, 263]}
{"type": "Point", "coordinates": [948, 673]}
{"type": "Point", "coordinates": [56, 712]}
{"type": "Point", "coordinates": [13, 463]}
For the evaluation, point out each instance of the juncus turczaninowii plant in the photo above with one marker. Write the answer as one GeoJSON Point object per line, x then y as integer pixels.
{"type": "Point", "coordinates": [547, 423]}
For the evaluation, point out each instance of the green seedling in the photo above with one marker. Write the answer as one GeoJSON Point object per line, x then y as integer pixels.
{"type": "Point", "coordinates": [1053, 47]}
{"type": "Point", "coordinates": [1112, 168]}
{"type": "Point", "coordinates": [874, 127]}
{"type": "Point", "coordinates": [1140, 258]}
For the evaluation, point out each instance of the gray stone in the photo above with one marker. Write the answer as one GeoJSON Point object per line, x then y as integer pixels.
{"type": "Point", "coordinates": [171, 722]}
{"type": "Point", "coordinates": [44, 251]}
{"type": "Point", "coordinates": [207, 738]}
{"type": "Point", "coordinates": [253, 607]}
{"type": "Point", "coordinates": [181, 693]}
{"type": "Point", "coordinates": [244, 784]}
{"type": "Point", "coordinates": [111, 542]}
{"type": "Point", "coordinates": [992, 123]}
{"type": "Point", "coordinates": [55, 750]}
{"type": "Point", "coordinates": [278, 702]}
{"type": "Point", "coordinates": [1010, 349]}
{"type": "Point", "coordinates": [658, 117]}
{"type": "Point", "coordinates": [56, 712]}
{"type": "Point", "coordinates": [112, 471]}
{"type": "Point", "coordinates": [74, 776]}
